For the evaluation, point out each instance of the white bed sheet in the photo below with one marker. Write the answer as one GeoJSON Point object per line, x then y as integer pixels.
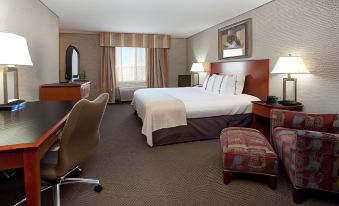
{"type": "Point", "coordinates": [170, 107]}
{"type": "Point", "coordinates": [200, 103]}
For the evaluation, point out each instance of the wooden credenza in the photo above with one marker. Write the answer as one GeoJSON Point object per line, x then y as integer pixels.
{"type": "Point", "coordinates": [65, 91]}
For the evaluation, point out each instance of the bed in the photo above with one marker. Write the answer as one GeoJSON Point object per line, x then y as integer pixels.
{"type": "Point", "coordinates": [173, 115]}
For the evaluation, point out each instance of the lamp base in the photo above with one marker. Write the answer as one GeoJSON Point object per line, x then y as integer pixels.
{"type": "Point", "coordinates": [289, 103]}
{"type": "Point", "coordinates": [294, 87]}
{"type": "Point", "coordinates": [14, 105]}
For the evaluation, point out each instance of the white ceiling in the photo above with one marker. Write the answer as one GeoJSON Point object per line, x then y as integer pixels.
{"type": "Point", "coordinates": [180, 18]}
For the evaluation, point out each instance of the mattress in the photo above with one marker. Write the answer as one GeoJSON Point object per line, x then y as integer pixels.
{"type": "Point", "coordinates": [161, 108]}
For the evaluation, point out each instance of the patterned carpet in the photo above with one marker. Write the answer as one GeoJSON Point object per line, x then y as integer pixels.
{"type": "Point", "coordinates": [181, 174]}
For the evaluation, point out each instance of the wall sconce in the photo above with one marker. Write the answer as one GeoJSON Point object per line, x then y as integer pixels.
{"type": "Point", "coordinates": [13, 51]}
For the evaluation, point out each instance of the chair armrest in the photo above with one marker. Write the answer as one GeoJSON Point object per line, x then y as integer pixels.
{"type": "Point", "coordinates": [298, 120]}
{"type": "Point", "coordinates": [320, 142]}
{"type": "Point", "coordinates": [308, 141]}
{"type": "Point", "coordinates": [310, 158]}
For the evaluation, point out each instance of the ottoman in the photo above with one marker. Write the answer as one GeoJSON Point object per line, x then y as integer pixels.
{"type": "Point", "coordinates": [246, 150]}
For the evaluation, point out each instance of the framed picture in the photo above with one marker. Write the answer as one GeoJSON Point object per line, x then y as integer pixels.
{"type": "Point", "coordinates": [235, 41]}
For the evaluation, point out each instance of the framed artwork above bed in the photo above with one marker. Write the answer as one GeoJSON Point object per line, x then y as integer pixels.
{"type": "Point", "coordinates": [235, 41]}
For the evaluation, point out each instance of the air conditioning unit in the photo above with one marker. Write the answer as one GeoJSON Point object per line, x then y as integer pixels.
{"type": "Point", "coordinates": [126, 93]}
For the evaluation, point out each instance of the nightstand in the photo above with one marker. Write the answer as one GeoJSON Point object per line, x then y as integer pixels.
{"type": "Point", "coordinates": [261, 115]}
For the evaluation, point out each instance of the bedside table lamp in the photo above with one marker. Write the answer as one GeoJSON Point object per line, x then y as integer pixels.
{"type": "Point", "coordinates": [290, 65]}
{"type": "Point", "coordinates": [197, 68]}
{"type": "Point", "coordinates": [13, 52]}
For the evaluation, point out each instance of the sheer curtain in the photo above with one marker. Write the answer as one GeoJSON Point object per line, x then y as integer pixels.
{"type": "Point", "coordinates": [130, 66]}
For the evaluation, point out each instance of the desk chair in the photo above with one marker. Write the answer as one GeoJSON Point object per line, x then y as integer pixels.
{"type": "Point", "coordinates": [78, 141]}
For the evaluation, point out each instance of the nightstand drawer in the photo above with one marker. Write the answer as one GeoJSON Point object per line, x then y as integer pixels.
{"type": "Point", "coordinates": [261, 110]}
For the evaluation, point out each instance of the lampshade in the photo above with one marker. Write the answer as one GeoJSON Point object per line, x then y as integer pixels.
{"type": "Point", "coordinates": [290, 65]}
{"type": "Point", "coordinates": [197, 67]}
{"type": "Point", "coordinates": [14, 50]}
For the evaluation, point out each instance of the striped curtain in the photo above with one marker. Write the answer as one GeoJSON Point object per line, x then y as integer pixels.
{"type": "Point", "coordinates": [135, 40]}
{"type": "Point", "coordinates": [157, 67]}
{"type": "Point", "coordinates": [108, 79]}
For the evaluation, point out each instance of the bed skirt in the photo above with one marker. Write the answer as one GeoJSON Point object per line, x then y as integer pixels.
{"type": "Point", "coordinates": [200, 129]}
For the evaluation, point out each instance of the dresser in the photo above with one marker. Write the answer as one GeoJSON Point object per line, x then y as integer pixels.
{"type": "Point", "coordinates": [65, 91]}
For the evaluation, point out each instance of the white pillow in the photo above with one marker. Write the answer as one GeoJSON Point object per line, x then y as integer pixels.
{"type": "Point", "coordinates": [204, 85]}
{"type": "Point", "coordinates": [210, 83]}
{"type": "Point", "coordinates": [228, 85]}
{"type": "Point", "coordinates": [217, 83]}
{"type": "Point", "coordinates": [239, 85]}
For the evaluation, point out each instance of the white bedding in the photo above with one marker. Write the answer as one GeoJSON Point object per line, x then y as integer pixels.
{"type": "Point", "coordinates": [194, 100]}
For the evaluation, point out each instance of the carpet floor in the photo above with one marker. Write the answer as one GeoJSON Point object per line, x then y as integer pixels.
{"type": "Point", "coordinates": [180, 174]}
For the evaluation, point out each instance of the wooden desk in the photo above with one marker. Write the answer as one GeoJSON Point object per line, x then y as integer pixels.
{"type": "Point", "coordinates": [65, 91]}
{"type": "Point", "coordinates": [26, 135]}
{"type": "Point", "coordinates": [261, 115]}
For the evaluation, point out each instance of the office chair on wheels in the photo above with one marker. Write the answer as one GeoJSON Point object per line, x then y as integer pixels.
{"type": "Point", "coordinates": [78, 141]}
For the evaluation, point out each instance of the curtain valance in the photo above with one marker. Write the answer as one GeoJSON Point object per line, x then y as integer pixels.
{"type": "Point", "coordinates": [134, 40]}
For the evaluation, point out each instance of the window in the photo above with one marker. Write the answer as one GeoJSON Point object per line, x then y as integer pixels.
{"type": "Point", "coordinates": [130, 65]}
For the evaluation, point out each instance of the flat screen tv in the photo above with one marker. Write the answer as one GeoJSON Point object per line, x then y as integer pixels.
{"type": "Point", "coordinates": [72, 63]}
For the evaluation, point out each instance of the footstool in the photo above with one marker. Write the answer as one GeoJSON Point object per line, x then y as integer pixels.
{"type": "Point", "coordinates": [246, 150]}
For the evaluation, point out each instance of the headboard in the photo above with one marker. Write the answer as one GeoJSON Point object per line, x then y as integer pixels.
{"type": "Point", "coordinates": [256, 71]}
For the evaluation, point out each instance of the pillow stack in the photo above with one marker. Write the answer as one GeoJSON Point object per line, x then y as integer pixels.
{"type": "Point", "coordinates": [224, 84]}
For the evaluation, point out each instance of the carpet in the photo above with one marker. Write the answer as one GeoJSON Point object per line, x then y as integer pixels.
{"type": "Point", "coordinates": [132, 173]}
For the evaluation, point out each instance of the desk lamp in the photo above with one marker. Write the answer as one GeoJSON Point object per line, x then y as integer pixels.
{"type": "Point", "coordinates": [290, 65]}
{"type": "Point", "coordinates": [13, 52]}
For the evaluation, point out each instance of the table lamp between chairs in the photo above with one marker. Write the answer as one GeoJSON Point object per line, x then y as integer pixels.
{"type": "Point", "coordinates": [13, 52]}
{"type": "Point", "coordinates": [290, 65]}
{"type": "Point", "coordinates": [196, 69]}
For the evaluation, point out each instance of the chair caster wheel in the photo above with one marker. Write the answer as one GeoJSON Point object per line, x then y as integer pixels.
{"type": "Point", "coordinates": [98, 188]}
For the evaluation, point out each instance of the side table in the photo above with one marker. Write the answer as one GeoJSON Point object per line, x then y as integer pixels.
{"type": "Point", "coordinates": [261, 115]}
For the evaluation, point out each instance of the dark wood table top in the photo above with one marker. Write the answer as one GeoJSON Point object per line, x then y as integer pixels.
{"type": "Point", "coordinates": [24, 128]}
{"type": "Point", "coordinates": [66, 84]}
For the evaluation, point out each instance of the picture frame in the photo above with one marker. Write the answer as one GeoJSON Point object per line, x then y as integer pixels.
{"type": "Point", "coordinates": [235, 41]}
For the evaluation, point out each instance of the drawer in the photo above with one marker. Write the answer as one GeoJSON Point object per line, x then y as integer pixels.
{"type": "Point", "coordinates": [261, 110]}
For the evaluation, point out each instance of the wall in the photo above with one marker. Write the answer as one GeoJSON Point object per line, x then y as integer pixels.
{"type": "Point", "coordinates": [177, 58]}
{"type": "Point", "coordinates": [88, 46]}
{"type": "Point", "coordinates": [32, 20]}
{"type": "Point", "coordinates": [307, 28]}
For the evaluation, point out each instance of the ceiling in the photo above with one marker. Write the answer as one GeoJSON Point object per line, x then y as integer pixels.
{"type": "Point", "coordinates": [180, 18]}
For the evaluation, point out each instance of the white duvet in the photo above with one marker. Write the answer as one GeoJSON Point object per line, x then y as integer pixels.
{"type": "Point", "coordinates": [161, 108]}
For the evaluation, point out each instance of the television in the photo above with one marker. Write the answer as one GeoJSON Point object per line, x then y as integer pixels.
{"type": "Point", "coordinates": [72, 63]}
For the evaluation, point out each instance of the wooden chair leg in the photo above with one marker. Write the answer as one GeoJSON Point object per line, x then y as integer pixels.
{"type": "Point", "coordinates": [227, 176]}
{"type": "Point", "coordinates": [272, 181]}
{"type": "Point", "coordinates": [299, 195]}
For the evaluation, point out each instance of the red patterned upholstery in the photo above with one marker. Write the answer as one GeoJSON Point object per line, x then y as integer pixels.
{"type": "Point", "coordinates": [308, 147]}
{"type": "Point", "coordinates": [247, 150]}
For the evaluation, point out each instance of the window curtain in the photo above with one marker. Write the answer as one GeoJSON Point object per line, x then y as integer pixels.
{"type": "Point", "coordinates": [114, 39]}
{"type": "Point", "coordinates": [108, 78]}
{"type": "Point", "coordinates": [156, 61]}
{"type": "Point", "coordinates": [157, 67]}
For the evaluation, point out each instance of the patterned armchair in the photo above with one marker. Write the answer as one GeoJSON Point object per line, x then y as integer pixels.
{"type": "Point", "coordinates": [308, 147]}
